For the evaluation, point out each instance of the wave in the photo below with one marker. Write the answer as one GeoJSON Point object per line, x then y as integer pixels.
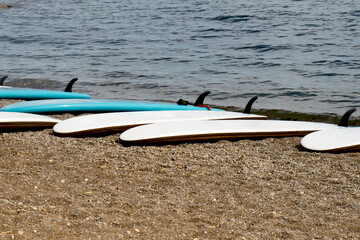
{"type": "Point", "coordinates": [232, 18]}
{"type": "Point", "coordinates": [263, 48]}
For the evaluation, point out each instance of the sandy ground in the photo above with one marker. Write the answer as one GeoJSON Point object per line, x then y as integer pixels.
{"type": "Point", "coordinates": [96, 188]}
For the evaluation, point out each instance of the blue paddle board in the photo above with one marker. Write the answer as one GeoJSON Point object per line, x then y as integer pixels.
{"type": "Point", "coordinates": [93, 105]}
{"type": "Point", "coordinates": [31, 94]}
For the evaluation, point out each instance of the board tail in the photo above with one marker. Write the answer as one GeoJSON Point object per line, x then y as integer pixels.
{"type": "Point", "coordinates": [2, 80]}
{"type": "Point", "coordinates": [70, 85]}
{"type": "Point", "coordinates": [344, 122]}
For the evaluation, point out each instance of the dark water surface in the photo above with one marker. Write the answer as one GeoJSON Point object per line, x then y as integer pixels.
{"type": "Point", "coordinates": [294, 55]}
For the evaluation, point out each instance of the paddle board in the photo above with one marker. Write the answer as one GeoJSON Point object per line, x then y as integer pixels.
{"type": "Point", "coordinates": [92, 105]}
{"type": "Point", "coordinates": [218, 129]}
{"type": "Point", "coordinates": [11, 120]}
{"type": "Point", "coordinates": [101, 105]}
{"type": "Point", "coordinates": [31, 94]}
{"type": "Point", "coordinates": [116, 122]}
{"type": "Point", "coordinates": [333, 140]}
{"type": "Point", "coordinates": [343, 138]}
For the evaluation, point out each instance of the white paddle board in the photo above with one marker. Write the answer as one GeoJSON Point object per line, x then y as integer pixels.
{"type": "Point", "coordinates": [218, 129]}
{"type": "Point", "coordinates": [120, 121]}
{"type": "Point", "coordinates": [339, 139]}
{"type": "Point", "coordinates": [13, 120]}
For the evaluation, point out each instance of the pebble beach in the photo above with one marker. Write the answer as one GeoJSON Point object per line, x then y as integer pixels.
{"type": "Point", "coordinates": [96, 188]}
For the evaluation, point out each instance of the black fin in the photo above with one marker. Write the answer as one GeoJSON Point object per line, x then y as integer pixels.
{"type": "Point", "coordinates": [70, 84]}
{"type": "Point", "coordinates": [2, 80]}
{"type": "Point", "coordinates": [249, 105]}
{"type": "Point", "coordinates": [200, 99]}
{"type": "Point", "coordinates": [344, 122]}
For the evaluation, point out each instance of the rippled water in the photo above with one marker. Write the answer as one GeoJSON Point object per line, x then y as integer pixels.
{"type": "Point", "coordinates": [294, 55]}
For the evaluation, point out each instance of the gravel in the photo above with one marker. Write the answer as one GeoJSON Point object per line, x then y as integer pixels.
{"type": "Point", "coordinates": [87, 188]}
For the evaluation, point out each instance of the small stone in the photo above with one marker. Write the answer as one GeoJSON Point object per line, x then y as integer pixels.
{"type": "Point", "coordinates": [20, 232]}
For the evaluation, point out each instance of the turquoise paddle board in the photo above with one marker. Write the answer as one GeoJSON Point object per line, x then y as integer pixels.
{"type": "Point", "coordinates": [31, 94]}
{"type": "Point", "coordinates": [100, 105]}
{"type": "Point", "coordinates": [92, 105]}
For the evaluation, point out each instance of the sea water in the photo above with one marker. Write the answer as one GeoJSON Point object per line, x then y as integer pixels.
{"type": "Point", "coordinates": [298, 55]}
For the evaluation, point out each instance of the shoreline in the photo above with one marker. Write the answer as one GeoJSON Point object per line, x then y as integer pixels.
{"type": "Point", "coordinates": [280, 114]}
{"type": "Point", "coordinates": [312, 117]}
{"type": "Point", "coordinates": [94, 187]}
